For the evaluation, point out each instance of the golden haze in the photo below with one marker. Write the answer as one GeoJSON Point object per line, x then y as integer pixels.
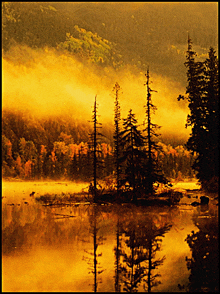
{"type": "Point", "coordinates": [47, 83]}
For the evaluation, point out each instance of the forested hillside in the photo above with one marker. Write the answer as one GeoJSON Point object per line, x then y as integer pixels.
{"type": "Point", "coordinates": [144, 34]}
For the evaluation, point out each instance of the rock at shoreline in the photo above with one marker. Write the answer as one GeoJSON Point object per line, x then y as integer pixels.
{"type": "Point", "coordinates": [204, 200]}
{"type": "Point", "coordinates": [195, 203]}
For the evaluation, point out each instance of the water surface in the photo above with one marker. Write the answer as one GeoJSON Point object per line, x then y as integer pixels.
{"type": "Point", "coordinates": [106, 248]}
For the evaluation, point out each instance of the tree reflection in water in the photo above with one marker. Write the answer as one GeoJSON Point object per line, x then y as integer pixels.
{"type": "Point", "coordinates": [94, 266]}
{"type": "Point", "coordinates": [138, 240]}
{"type": "Point", "coordinates": [117, 251]}
{"type": "Point", "coordinates": [204, 264]}
{"type": "Point", "coordinates": [137, 231]}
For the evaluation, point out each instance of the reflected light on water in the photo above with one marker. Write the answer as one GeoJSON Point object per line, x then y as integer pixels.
{"type": "Point", "coordinates": [45, 270]}
{"type": "Point", "coordinates": [100, 248]}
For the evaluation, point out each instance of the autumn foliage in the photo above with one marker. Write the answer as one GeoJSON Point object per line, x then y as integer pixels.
{"type": "Point", "coordinates": [32, 152]}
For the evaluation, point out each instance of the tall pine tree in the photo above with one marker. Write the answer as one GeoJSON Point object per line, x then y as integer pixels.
{"type": "Point", "coordinates": [117, 138]}
{"type": "Point", "coordinates": [133, 154]}
{"type": "Point", "coordinates": [94, 140]}
{"type": "Point", "coordinates": [202, 95]}
{"type": "Point", "coordinates": [152, 172]}
{"type": "Point", "coordinates": [211, 93]}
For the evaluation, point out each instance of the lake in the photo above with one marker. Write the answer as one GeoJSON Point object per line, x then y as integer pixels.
{"type": "Point", "coordinates": [106, 248]}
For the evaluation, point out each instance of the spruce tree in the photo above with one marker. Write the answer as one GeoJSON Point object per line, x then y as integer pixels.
{"type": "Point", "coordinates": [202, 95]}
{"type": "Point", "coordinates": [152, 172]}
{"type": "Point", "coordinates": [133, 154]}
{"type": "Point", "coordinates": [211, 93]}
{"type": "Point", "coordinates": [117, 137]}
{"type": "Point", "coordinates": [93, 144]}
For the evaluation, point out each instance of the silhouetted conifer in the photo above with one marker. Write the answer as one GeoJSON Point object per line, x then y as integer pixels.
{"type": "Point", "coordinates": [202, 95]}
{"type": "Point", "coordinates": [94, 139]}
{"type": "Point", "coordinates": [117, 137]}
{"type": "Point", "coordinates": [212, 117]}
{"type": "Point", "coordinates": [133, 154]}
{"type": "Point", "coordinates": [153, 173]}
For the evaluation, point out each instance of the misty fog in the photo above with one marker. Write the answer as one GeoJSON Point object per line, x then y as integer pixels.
{"type": "Point", "coordinates": [46, 83]}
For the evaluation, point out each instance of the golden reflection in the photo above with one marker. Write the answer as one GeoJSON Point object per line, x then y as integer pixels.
{"type": "Point", "coordinates": [99, 248]}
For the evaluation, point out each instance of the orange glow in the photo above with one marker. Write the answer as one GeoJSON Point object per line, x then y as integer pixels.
{"type": "Point", "coordinates": [47, 84]}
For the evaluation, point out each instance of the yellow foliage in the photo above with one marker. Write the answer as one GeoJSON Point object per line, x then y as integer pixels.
{"type": "Point", "coordinates": [27, 169]}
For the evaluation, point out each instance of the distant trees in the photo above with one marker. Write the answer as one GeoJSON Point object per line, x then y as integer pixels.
{"type": "Point", "coordinates": [55, 20]}
{"type": "Point", "coordinates": [202, 94]}
{"type": "Point", "coordinates": [92, 47]}
{"type": "Point", "coordinates": [19, 24]}
{"type": "Point", "coordinates": [60, 149]}
{"type": "Point", "coordinates": [28, 153]}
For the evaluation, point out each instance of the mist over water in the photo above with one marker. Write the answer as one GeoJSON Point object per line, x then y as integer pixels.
{"type": "Point", "coordinates": [47, 84]}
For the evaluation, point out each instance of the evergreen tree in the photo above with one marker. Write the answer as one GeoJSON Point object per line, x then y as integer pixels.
{"type": "Point", "coordinates": [153, 174]}
{"type": "Point", "coordinates": [211, 92]}
{"type": "Point", "coordinates": [117, 137]}
{"type": "Point", "coordinates": [202, 95]}
{"type": "Point", "coordinates": [133, 154]}
{"type": "Point", "coordinates": [94, 138]}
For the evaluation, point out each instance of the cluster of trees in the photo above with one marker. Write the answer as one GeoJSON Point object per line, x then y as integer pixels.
{"type": "Point", "coordinates": [134, 164]}
{"type": "Point", "coordinates": [18, 28]}
{"type": "Point", "coordinates": [203, 97]}
{"type": "Point", "coordinates": [135, 161]}
{"type": "Point", "coordinates": [55, 148]}
{"type": "Point", "coordinates": [91, 47]}
{"type": "Point", "coordinates": [71, 161]}
{"type": "Point", "coordinates": [35, 149]}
